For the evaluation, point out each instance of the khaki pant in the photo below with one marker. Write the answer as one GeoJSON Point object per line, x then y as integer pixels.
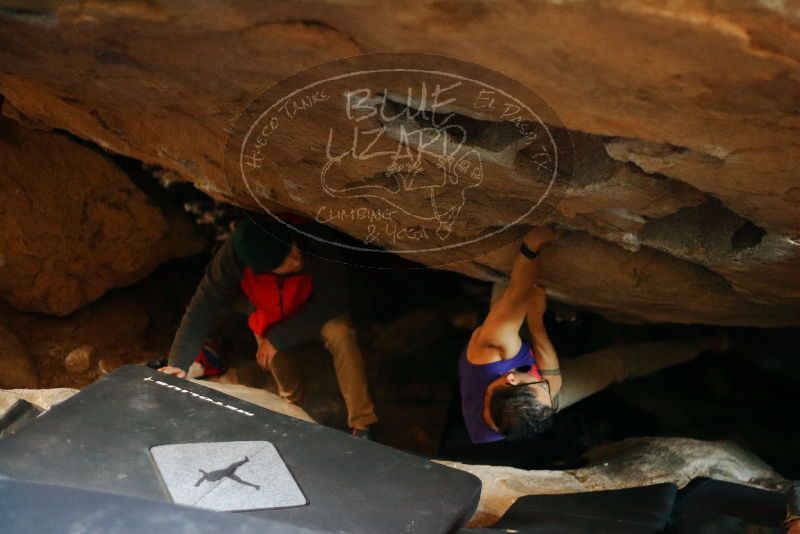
{"type": "Point", "coordinates": [339, 337]}
{"type": "Point", "coordinates": [586, 375]}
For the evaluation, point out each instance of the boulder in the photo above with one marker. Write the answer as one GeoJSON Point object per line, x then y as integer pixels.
{"type": "Point", "coordinates": [75, 224]}
{"type": "Point", "coordinates": [67, 351]}
{"type": "Point", "coordinates": [683, 117]}
{"type": "Point", "coordinates": [629, 463]}
{"type": "Point", "coordinates": [79, 359]}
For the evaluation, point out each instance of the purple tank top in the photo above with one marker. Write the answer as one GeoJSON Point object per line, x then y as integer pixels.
{"type": "Point", "coordinates": [473, 381]}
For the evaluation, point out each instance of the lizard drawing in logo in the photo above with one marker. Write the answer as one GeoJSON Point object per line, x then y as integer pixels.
{"type": "Point", "coordinates": [426, 177]}
{"type": "Point", "coordinates": [229, 472]}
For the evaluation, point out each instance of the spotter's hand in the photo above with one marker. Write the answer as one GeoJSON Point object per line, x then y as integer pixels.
{"type": "Point", "coordinates": [266, 352]}
{"type": "Point", "coordinates": [177, 371]}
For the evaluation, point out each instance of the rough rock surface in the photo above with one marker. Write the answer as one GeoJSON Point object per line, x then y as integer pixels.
{"type": "Point", "coordinates": [110, 330]}
{"type": "Point", "coordinates": [17, 364]}
{"type": "Point", "coordinates": [74, 225]}
{"type": "Point", "coordinates": [79, 360]}
{"type": "Point", "coordinates": [685, 207]}
{"type": "Point", "coordinates": [629, 463]}
{"type": "Point", "coordinates": [43, 398]}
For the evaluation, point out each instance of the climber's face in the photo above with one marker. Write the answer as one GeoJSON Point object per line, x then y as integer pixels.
{"type": "Point", "coordinates": [293, 262]}
{"type": "Point", "coordinates": [520, 378]}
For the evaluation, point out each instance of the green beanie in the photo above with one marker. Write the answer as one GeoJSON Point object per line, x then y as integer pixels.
{"type": "Point", "coordinates": [263, 246]}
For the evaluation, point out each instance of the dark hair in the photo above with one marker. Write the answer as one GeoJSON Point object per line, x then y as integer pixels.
{"type": "Point", "coordinates": [261, 245]}
{"type": "Point", "coordinates": [518, 414]}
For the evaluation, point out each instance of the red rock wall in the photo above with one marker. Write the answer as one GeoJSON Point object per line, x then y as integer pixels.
{"type": "Point", "coordinates": [687, 210]}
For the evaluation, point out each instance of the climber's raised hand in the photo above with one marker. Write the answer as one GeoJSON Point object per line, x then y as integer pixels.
{"type": "Point", "coordinates": [540, 235]}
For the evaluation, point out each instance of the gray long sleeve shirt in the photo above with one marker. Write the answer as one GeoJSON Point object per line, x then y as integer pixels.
{"type": "Point", "coordinates": [222, 283]}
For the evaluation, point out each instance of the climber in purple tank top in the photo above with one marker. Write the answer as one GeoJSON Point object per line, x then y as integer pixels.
{"type": "Point", "coordinates": [510, 390]}
{"type": "Point", "coordinates": [507, 386]}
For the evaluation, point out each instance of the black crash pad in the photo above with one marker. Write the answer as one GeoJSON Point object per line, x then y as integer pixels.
{"type": "Point", "coordinates": [627, 511]}
{"type": "Point", "coordinates": [707, 505]}
{"type": "Point", "coordinates": [140, 433]}
{"type": "Point", "coordinates": [17, 415]}
{"type": "Point", "coordinates": [79, 510]}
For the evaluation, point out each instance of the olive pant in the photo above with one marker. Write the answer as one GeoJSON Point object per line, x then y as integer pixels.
{"type": "Point", "coordinates": [587, 374]}
{"type": "Point", "coordinates": [339, 338]}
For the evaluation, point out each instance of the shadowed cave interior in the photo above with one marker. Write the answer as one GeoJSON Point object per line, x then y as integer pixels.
{"type": "Point", "coordinates": [661, 139]}
{"type": "Point", "coordinates": [412, 324]}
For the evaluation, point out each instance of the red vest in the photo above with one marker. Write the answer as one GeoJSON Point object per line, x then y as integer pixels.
{"type": "Point", "coordinates": [275, 297]}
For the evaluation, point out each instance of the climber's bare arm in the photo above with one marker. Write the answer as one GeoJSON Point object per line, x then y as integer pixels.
{"type": "Point", "coordinates": [498, 336]}
{"type": "Point", "coordinates": [543, 350]}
